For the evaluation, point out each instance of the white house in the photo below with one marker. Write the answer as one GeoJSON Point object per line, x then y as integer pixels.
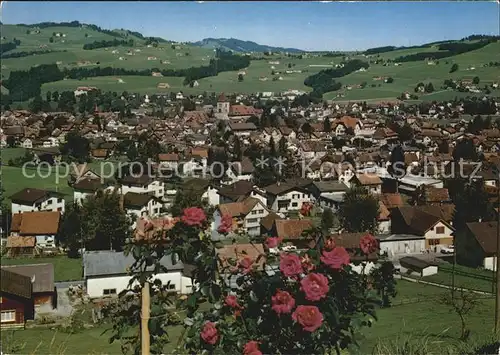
{"type": "Point", "coordinates": [142, 185]}
{"type": "Point", "coordinates": [43, 226]}
{"type": "Point", "coordinates": [31, 200]}
{"type": "Point", "coordinates": [246, 216]}
{"type": "Point", "coordinates": [395, 245]}
{"type": "Point", "coordinates": [416, 266]}
{"type": "Point", "coordinates": [27, 143]}
{"type": "Point", "coordinates": [50, 142]}
{"type": "Point", "coordinates": [88, 187]}
{"type": "Point", "coordinates": [106, 274]}
{"type": "Point", "coordinates": [140, 205]}
{"type": "Point", "coordinates": [284, 197]}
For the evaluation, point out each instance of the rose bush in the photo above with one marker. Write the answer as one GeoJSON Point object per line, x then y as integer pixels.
{"type": "Point", "coordinates": [308, 302]}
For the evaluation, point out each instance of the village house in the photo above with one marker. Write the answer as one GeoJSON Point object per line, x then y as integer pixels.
{"type": "Point", "coordinates": [38, 228]}
{"type": "Point", "coordinates": [106, 274]}
{"type": "Point", "coordinates": [17, 304]}
{"type": "Point", "coordinates": [240, 170]}
{"type": "Point", "coordinates": [476, 245]}
{"type": "Point", "coordinates": [370, 182]}
{"type": "Point", "coordinates": [43, 291]}
{"type": "Point", "coordinates": [142, 185]}
{"type": "Point", "coordinates": [347, 124]}
{"type": "Point", "coordinates": [138, 205]}
{"type": "Point", "coordinates": [239, 191]}
{"type": "Point", "coordinates": [287, 196]}
{"type": "Point", "coordinates": [437, 231]}
{"type": "Point", "coordinates": [246, 215]}
{"type": "Point", "coordinates": [30, 200]}
{"type": "Point", "coordinates": [289, 230]}
{"type": "Point", "coordinates": [242, 129]}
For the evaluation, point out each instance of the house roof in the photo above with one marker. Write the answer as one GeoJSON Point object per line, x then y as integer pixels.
{"type": "Point", "coordinates": [15, 284]}
{"type": "Point", "coordinates": [222, 98]}
{"type": "Point", "coordinates": [347, 121]}
{"type": "Point", "coordinates": [99, 153]}
{"type": "Point", "coordinates": [268, 221]}
{"type": "Point", "coordinates": [88, 185]}
{"type": "Point", "coordinates": [414, 263]}
{"type": "Point", "coordinates": [245, 166]}
{"type": "Point", "coordinates": [134, 199]}
{"type": "Point", "coordinates": [30, 195]}
{"type": "Point", "coordinates": [41, 274]}
{"type": "Point", "coordinates": [107, 263]}
{"type": "Point", "coordinates": [383, 212]}
{"type": "Point", "coordinates": [330, 186]}
{"type": "Point", "coordinates": [236, 209]}
{"type": "Point", "coordinates": [239, 252]}
{"type": "Point", "coordinates": [236, 190]}
{"type": "Point", "coordinates": [136, 180]}
{"type": "Point", "coordinates": [168, 157]}
{"type": "Point", "coordinates": [242, 110]}
{"type": "Point", "coordinates": [435, 194]}
{"type": "Point", "coordinates": [419, 220]}
{"type": "Point", "coordinates": [149, 229]}
{"type": "Point", "coordinates": [366, 179]}
{"type": "Point", "coordinates": [391, 200]}
{"type": "Point", "coordinates": [292, 228]}
{"type": "Point", "coordinates": [288, 185]}
{"type": "Point", "coordinates": [242, 126]}
{"type": "Point", "coordinates": [486, 235]}
{"type": "Point", "coordinates": [36, 223]}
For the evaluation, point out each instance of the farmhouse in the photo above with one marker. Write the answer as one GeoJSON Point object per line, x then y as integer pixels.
{"type": "Point", "coordinates": [478, 245]}
{"type": "Point", "coordinates": [106, 274]}
{"type": "Point", "coordinates": [17, 304]}
{"type": "Point", "coordinates": [287, 196]}
{"type": "Point", "coordinates": [416, 266]}
{"type": "Point", "coordinates": [38, 227]}
{"type": "Point", "coordinates": [30, 200]}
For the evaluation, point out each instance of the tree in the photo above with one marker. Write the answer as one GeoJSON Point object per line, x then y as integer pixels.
{"type": "Point", "coordinates": [36, 104]}
{"type": "Point", "coordinates": [475, 81]}
{"type": "Point", "coordinates": [240, 77]}
{"type": "Point", "coordinates": [429, 88]}
{"type": "Point", "coordinates": [48, 96]}
{"type": "Point", "coordinates": [462, 302]}
{"type": "Point", "coordinates": [464, 149]}
{"type": "Point", "coordinates": [405, 133]}
{"type": "Point", "coordinates": [327, 125]}
{"type": "Point", "coordinates": [444, 147]}
{"type": "Point", "coordinates": [76, 148]}
{"type": "Point", "coordinates": [397, 167]}
{"type": "Point", "coordinates": [11, 141]}
{"type": "Point", "coordinates": [86, 35]}
{"type": "Point", "coordinates": [307, 128]}
{"type": "Point", "coordinates": [282, 146]}
{"type": "Point", "coordinates": [272, 147]}
{"type": "Point", "coordinates": [105, 224]}
{"type": "Point", "coordinates": [188, 196]}
{"type": "Point", "coordinates": [69, 234]}
{"type": "Point", "coordinates": [454, 68]}
{"type": "Point", "coordinates": [359, 211]}
{"type": "Point", "coordinates": [51, 40]}
{"type": "Point", "coordinates": [55, 96]}
{"type": "Point", "coordinates": [383, 281]}
{"type": "Point", "coordinates": [327, 220]}
{"type": "Point", "coordinates": [67, 101]}
{"type": "Point", "coordinates": [389, 80]}
{"type": "Point", "coordinates": [237, 148]}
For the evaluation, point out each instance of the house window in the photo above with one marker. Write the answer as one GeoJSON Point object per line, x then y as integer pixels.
{"type": "Point", "coordinates": [59, 209]}
{"type": "Point", "coordinates": [171, 286]}
{"type": "Point", "coordinates": [294, 204]}
{"type": "Point", "coordinates": [439, 230]}
{"type": "Point", "coordinates": [252, 220]}
{"type": "Point", "coordinates": [434, 242]}
{"type": "Point", "coordinates": [110, 291]}
{"type": "Point", "coordinates": [59, 200]}
{"type": "Point", "coordinates": [8, 316]}
{"type": "Point", "coordinates": [49, 202]}
{"type": "Point", "coordinates": [254, 212]}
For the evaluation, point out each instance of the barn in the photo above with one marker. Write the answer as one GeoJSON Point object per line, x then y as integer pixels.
{"type": "Point", "coordinates": [16, 300]}
{"type": "Point", "coordinates": [416, 266]}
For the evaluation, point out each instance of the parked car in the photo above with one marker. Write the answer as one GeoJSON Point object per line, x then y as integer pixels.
{"type": "Point", "coordinates": [448, 250]}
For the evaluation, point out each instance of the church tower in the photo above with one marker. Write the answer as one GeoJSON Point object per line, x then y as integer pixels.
{"type": "Point", "coordinates": [223, 105]}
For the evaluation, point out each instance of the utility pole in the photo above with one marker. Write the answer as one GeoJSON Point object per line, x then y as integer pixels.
{"type": "Point", "coordinates": [145, 319]}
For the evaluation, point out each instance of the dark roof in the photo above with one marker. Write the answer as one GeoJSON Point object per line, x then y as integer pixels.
{"type": "Point", "coordinates": [105, 262]}
{"type": "Point", "coordinates": [418, 220]}
{"type": "Point", "coordinates": [242, 126]}
{"type": "Point", "coordinates": [15, 284]}
{"type": "Point", "coordinates": [485, 234]}
{"type": "Point", "coordinates": [410, 262]}
{"type": "Point", "coordinates": [134, 199]}
{"type": "Point", "coordinates": [88, 185]}
{"type": "Point", "coordinates": [330, 186]}
{"type": "Point", "coordinates": [268, 221]}
{"type": "Point", "coordinates": [41, 274]}
{"type": "Point", "coordinates": [236, 190]}
{"type": "Point", "coordinates": [288, 185]}
{"type": "Point", "coordinates": [31, 195]}
{"type": "Point", "coordinates": [136, 180]}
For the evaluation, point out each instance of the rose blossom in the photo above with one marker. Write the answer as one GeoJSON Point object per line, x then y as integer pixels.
{"type": "Point", "coordinates": [290, 265]}
{"type": "Point", "coordinates": [232, 301]}
{"type": "Point", "coordinates": [210, 334]}
{"type": "Point", "coordinates": [309, 317]}
{"type": "Point", "coordinates": [306, 209]}
{"type": "Point", "coordinates": [193, 216]}
{"type": "Point", "coordinates": [226, 224]}
{"type": "Point", "coordinates": [282, 302]}
{"type": "Point", "coordinates": [251, 348]}
{"type": "Point", "coordinates": [246, 264]}
{"type": "Point", "coordinates": [315, 286]}
{"type": "Point", "coordinates": [368, 244]}
{"type": "Point", "coordinates": [273, 242]}
{"type": "Point", "coordinates": [336, 258]}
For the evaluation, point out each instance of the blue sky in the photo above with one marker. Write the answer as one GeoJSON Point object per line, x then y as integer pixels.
{"type": "Point", "coordinates": [305, 25]}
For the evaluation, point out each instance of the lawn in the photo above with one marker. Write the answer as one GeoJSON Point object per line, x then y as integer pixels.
{"type": "Point", "coordinates": [65, 269]}
{"type": "Point", "coordinates": [423, 319]}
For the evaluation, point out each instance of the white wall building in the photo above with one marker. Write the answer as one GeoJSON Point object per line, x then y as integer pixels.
{"type": "Point", "coordinates": [106, 274]}
{"type": "Point", "coordinates": [32, 200]}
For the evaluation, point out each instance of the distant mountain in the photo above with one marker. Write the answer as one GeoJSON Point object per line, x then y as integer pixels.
{"type": "Point", "coordinates": [238, 45]}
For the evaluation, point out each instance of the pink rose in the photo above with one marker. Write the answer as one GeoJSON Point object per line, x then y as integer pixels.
{"type": "Point", "coordinates": [315, 286]}
{"type": "Point", "coordinates": [273, 242]}
{"type": "Point", "coordinates": [193, 216]}
{"type": "Point", "coordinates": [336, 258]}
{"type": "Point", "coordinates": [290, 265]}
{"type": "Point", "coordinates": [232, 301]}
{"type": "Point", "coordinates": [282, 302]}
{"type": "Point", "coordinates": [309, 317]}
{"type": "Point", "coordinates": [368, 244]}
{"type": "Point", "coordinates": [226, 224]}
{"type": "Point", "coordinates": [245, 264]}
{"type": "Point", "coordinates": [210, 334]}
{"type": "Point", "coordinates": [252, 348]}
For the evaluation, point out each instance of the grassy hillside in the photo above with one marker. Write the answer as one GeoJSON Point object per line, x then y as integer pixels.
{"type": "Point", "coordinates": [69, 53]}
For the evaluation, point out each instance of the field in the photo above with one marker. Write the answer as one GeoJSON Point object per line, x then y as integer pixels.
{"type": "Point", "coordinates": [406, 76]}
{"type": "Point", "coordinates": [425, 318]}
{"type": "Point", "coordinates": [65, 269]}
